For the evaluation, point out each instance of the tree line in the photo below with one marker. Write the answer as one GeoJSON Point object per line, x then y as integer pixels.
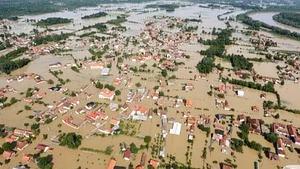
{"type": "Point", "coordinates": [95, 15]}
{"type": "Point", "coordinates": [51, 38]}
{"type": "Point", "coordinates": [53, 21]}
{"type": "Point", "coordinates": [288, 18]}
{"type": "Point", "coordinates": [8, 62]}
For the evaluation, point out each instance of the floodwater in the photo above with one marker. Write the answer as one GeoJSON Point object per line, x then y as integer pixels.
{"type": "Point", "coordinates": [137, 16]}
{"type": "Point", "coordinates": [267, 17]}
{"type": "Point", "coordinates": [175, 144]}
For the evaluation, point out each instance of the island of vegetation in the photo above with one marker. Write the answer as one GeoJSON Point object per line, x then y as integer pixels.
{"type": "Point", "coordinates": [99, 26]}
{"type": "Point", "coordinates": [9, 62]}
{"type": "Point", "coordinates": [53, 21]}
{"type": "Point", "coordinates": [95, 15]}
{"type": "Point", "coordinates": [118, 21]}
{"type": "Point", "coordinates": [288, 18]}
{"type": "Point", "coordinates": [51, 38]}
{"type": "Point", "coordinates": [167, 7]}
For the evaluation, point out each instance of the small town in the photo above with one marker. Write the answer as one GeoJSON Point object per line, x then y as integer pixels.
{"type": "Point", "coordinates": [150, 85]}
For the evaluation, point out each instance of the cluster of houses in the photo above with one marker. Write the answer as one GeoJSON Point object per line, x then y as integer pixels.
{"type": "Point", "coordinates": [112, 164]}
{"type": "Point", "coordinates": [288, 134]}
{"type": "Point", "coordinates": [31, 76]}
{"type": "Point", "coordinates": [20, 137]}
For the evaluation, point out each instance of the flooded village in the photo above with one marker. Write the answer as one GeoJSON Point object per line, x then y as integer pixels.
{"type": "Point", "coordinates": [147, 85]}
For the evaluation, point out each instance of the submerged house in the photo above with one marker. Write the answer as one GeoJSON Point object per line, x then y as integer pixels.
{"type": "Point", "coordinates": [139, 112]}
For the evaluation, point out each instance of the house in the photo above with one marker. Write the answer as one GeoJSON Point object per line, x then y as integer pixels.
{"type": "Point", "coordinates": [254, 125]}
{"type": "Point", "coordinates": [69, 120]}
{"type": "Point", "coordinates": [139, 167]}
{"type": "Point", "coordinates": [154, 163]}
{"type": "Point", "coordinates": [21, 145]}
{"type": "Point", "coordinates": [27, 158]}
{"type": "Point", "coordinates": [218, 133]}
{"type": "Point", "coordinates": [67, 105]}
{"type": "Point", "coordinates": [11, 138]}
{"type": "Point", "coordinates": [23, 133]}
{"type": "Point", "coordinates": [188, 87]}
{"type": "Point", "coordinates": [176, 129]}
{"type": "Point", "coordinates": [240, 93]}
{"type": "Point", "coordinates": [113, 106]}
{"type": "Point", "coordinates": [190, 137]}
{"type": "Point", "coordinates": [191, 121]}
{"type": "Point", "coordinates": [225, 166]}
{"type": "Point", "coordinates": [280, 148]}
{"type": "Point", "coordinates": [241, 118]}
{"type": "Point", "coordinates": [117, 81]}
{"type": "Point", "coordinates": [143, 159]}
{"type": "Point", "coordinates": [225, 141]}
{"type": "Point", "coordinates": [96, 65]}
{"type": "Point", "coordinates": [188, 103]}
{"type": "Point", "coordinates": [127, 154]}
{"type": "Point", "coordinates": [106, 94]}
{"type": "Point", "coordinates": [105, 71]}
{"type": "Point", "coordinates": [55, 89]}
{"type": "Point", "coordinates": [40, 95]}
{"type": "Point", "coordinates": [280, 129]}
{"type": "Point", "coordinates": [111, 164]}
{"type": "Point", "coordinates": [124, 107]}
{"type": "Point", "coordinates": [255, 108]}
{"type": "Point", "coordinates": [294, 134]}
{"type": "Point", "coordinates": [80, 111]}
{"type": "Point", "coordinates": [55, 65]}
{"type": "Point", "coordinates": [21, 167]}
{"type": "Point", "coordinates": [7, 155]}
{"type": "Point", "coordinates": [139, 112]}
{"type": "Point", "coordinates": [130, 96]}
{"type": "Point", "coordinates": [42, 148]}
{"type": "Point", "coordinates": [263, 96]}
{"type": "Point", "coordinates": [114, 122]}
{"type": "Point", "coordinates": [205, 120]}
{"type": "Point", "coordinates": [223, 88]}
{"type": "Point", "coordinates": [95, 115]}
{"type": "Point", "coordinates": [272, 156]}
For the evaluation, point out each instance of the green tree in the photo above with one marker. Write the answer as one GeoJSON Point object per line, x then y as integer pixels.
{"type": "Point", "coordinates": [45, 162]}
{"type": "Point", "coordinates": [9, 146]}
{"type": "Point", "coordinates": [206, 65]}
{"type": "Point", "coordinates": [147, 139]}
{"type": "Point", "coordinates": [271, 137]}
{"type": "Point", "coordinates": [99, 85]}
{"type": "Point", "coordinates": [118, 92]}
{"type": "Point", "coordinates": [71, 140]}
{"type": "Point", "coordinates": [164, 73]}
{"type": "Point", "coordinates": [35, 126]}
{"type": "Point", "coordinates": [133, 148]}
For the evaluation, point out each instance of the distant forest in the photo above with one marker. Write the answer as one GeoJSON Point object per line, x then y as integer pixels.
{"type": "Point", "coordinates": [9, 8]}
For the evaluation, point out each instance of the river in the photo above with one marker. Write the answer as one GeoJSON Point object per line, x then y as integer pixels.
{"type": "Point", "coordinates": [267, 17]}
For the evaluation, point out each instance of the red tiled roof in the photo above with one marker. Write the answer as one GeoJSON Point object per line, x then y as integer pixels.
{"type": "Point", "coordinates": [154, 163]}
{"type": "Point", "coordinates": [127, 154]}
{"type": "Point", "coordinates": [111, 164]}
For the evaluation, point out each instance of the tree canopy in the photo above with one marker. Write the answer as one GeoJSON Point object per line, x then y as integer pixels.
{"type": "Point", "coordinates": [70, 140]}
{"type": "Point", "coordinates": [45, 162]}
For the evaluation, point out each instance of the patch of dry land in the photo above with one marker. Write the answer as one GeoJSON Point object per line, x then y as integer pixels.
{"type": "Point", "coordinates": [142, 87]}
